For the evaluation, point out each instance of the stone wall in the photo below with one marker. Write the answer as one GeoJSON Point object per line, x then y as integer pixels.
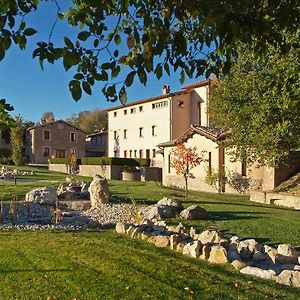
{"type": "Point", "coordinates": [151, 174]}
{"type": "Point", "coordinates": [276, 198]}
{"type": "Point", "coordinates": [58, 168]}
{"type": "Point", "coordinates": [109, 172]}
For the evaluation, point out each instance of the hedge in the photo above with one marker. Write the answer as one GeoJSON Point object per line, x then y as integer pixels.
{"type": "Point", "coordinates": [116, 161]}
{"type": "Point", "coordinates": [63, 161]}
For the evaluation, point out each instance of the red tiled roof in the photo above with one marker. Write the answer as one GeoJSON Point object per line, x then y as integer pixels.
{"type": "Point", "coordinates": [148, 100]}
{"type": "Point", "coordinates": [214, 134]}
{"type": "Point", "coordinates": [197, 84]}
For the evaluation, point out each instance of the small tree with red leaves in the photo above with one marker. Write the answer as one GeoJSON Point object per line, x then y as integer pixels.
{"type": "Point", "coordinates": [183, 160]}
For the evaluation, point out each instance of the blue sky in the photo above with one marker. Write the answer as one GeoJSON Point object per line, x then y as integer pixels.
{"type": "Point", "coordinates": [32, 91]}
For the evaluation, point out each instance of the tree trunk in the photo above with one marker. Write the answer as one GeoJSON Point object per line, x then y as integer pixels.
{"type": "Point", "coordinates": [186, 186]}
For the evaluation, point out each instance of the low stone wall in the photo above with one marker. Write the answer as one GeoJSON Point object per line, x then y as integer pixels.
{"type": "Point", "coordinates": [109, 172]}
{"type": "Point", "coordinates": [58, 168]}
{"type": "Point", "coordinates": [151, 174]}
{"type": "Point", "coordinates": [196, 184]}
{"type": "Point", "coordinates": [26, 212]}
{"type": "Point", "coordinates": [131, 176]}
{"type": "Point", "coordinates": [286, 200]}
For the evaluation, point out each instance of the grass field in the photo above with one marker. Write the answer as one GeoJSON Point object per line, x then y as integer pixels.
{"type": "Point", "coordinates": [104, 265]}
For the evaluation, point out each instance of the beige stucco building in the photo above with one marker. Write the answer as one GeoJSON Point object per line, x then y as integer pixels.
{"type": "Point", "coordinates": [210, 144]}
{"type": "Point", "coordinates": [135, 129]}
{"type": "Point", "coordinates": [57, 139]}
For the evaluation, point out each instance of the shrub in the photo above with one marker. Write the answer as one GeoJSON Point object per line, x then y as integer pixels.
{"type": "Point", "coordinates": [5, 155]}
{"type": "Point", "coordinates": [216, 178]}
{"type": "Point", "coordinates": [115, 161]}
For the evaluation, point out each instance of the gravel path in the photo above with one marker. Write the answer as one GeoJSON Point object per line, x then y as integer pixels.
{"type": "Point", "coordinates": [112, 213]}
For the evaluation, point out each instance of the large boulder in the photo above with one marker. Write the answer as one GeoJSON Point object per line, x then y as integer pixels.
{"type": "Point", "coordinates": [287, 254]}
{"type": "Point", "coordinates": [194, 212]}
{"type": "Point", "coordinates": [45, 195]}
{"type": "Point", "coordinates": [164, 208]}
{"type": "Point", "coordinates": [99, 192]}
{"type": "Point", "coordinates": [288, 277]}
{"type": "Point", "coordinates": [218, 255]}
{"type": "Point", "coordinates": [210, 237]}
{"type": "Point", "coordinates": [267, 274]}
{"type": "Point", "coordinates": [247, 248]}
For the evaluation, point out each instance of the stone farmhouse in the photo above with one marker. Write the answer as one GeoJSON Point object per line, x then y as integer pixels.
{"type": "Point", "coordinates": [56, 139]}
{"type": "Point", "coordinates": [96, 144]}
{"type": "Point", "coordinates": [135, 129]}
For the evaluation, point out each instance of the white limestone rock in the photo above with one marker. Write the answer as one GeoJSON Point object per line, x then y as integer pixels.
{"type": "Point", "coordinates": [99, 192]}
{"type": "Point", "coordinates": [266, 274]}
{"type": "Point", "coordinates": [45, 195]}
{"type": "Point", "coordinates": [194, 212]}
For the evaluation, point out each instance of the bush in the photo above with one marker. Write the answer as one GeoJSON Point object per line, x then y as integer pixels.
{"type": "Point", "coordinates": [116, 161]}
{"type": "Point", "coordinates": [63, 161]}
{"type": "Point", "coordinates": [5, 156]}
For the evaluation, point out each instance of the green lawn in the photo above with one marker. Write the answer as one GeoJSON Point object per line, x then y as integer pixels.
{"type": "Point", "coordinates": [104, 265]}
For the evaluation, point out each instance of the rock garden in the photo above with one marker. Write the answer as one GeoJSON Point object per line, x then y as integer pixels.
{"type": "Point", "coordinates": [80, 206]}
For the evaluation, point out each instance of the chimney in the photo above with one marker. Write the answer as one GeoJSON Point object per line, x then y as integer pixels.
{"type": "Point", "coordinates": [166, 89]}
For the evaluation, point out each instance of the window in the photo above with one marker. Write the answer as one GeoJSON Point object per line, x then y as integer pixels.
{"type": "Point", "coordinates": [209, 162]}
{"type": "Point", "coordinates": [46, 151]}
{"type": "Point", "coordinates": [73, 151]}
{"type": "Point", "coordinates": [135, 153]}
{"type": "Point", "coordinates": [141, 153]}
{"type": "Point", "coordinates": [130, 153]}
{"type": "Point", "coordinates": [46, 135]}
{"type": "Point", "coordinates": [159, 104]}
{"type": "Point", "coordinates": [125, 133]}
{"type": "Point", "coordinates": [153, 153]}
{"type": "Point", "coordinates": [125, 111]}
{"type": "Point", "coordinates": [115, 153]}
{"type": "Point", "coordinates": [244, 168]}
{"type": "Point", "coordinates": [148, 153]}
{"type": "Point", "coordinates": [125, 153]}
{"type": "Point", "coordinates": [73, 136]}
{"type": "Point", "coordinates": [115, 135]}
{"type": "Point", "coordinates": [115, 113]}
{"type": "Point", "coordinates": [141, 131]}
{"type": "Point", "coordinates": [132, 110]}
{"type": "Point", "coordinates": [141, 108]}
{"type": "Point", "coordinates": [180, 103]}
{"type": "Point", "coordinates": [199, 113]}
{"type": "Point", "coordinates": [153, 130]}
{"type": "Point", "coordinates": [169, 163]}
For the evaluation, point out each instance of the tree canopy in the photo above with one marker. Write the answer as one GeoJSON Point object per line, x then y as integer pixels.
{"type": "Point", "coordinates": [133, 38]}
{"type": "Point", "coordinates": [90, 121]}
{"type": "Point", "coordinates": [258, 102]}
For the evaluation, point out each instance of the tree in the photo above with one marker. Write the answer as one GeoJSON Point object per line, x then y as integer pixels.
{"type": "Point", "coordinates": [5, 119]}
{"type": "Point", "coordinates": [47, 117]}
{"type": "Point", "coordinates": [191, 37]}
{"type": "Point", "coordinates": [183, 160]}
{"type": "Point", "coordinates": [17, 133]}
{"type": "Point", "coordinates": [259, 104]}
{"type": "Point", "coordinates": [90, 121]}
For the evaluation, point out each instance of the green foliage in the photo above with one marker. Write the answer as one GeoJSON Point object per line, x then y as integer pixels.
{"type": "Point", "coordinates": [5, 119]}
{"type": "Point", "coordinates": [191, 37]}
{"type": "Point", "coordinates": [116, 161]}
{"type": "Point", "coordinates": [58, 160]}
{"type": "Point", "coordinates": [259, 103]}
{"type": "Point", "coordinates": [17, 133]}
{"type": "Point", "coordinates": [216, 178]}
{"type": "Point", "coordinates": [5, 155]}
{"type": "Point", "coordinates": [47, 117]}
{"type": "Point", "coordinates": [90, 121]}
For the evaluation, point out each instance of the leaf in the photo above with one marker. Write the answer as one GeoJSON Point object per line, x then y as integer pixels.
{"type": "Point", "coordinates": [30, 31]}
{"type": "Point", "coordinates": [182, 77]}
{"type": "Point", "coordinates": [129, 79]}
{"type": "Point", "coordinates": [2, 53]}
{"type": "Point", "coordinates": [167, 68]}
{"type": "Point", "coordinates": [117, 39]}
{"type": "Point", "coordinates": [75, 89]}
{"type": "Point", "coordinates": [123, 95]}
{"type": "Point", "coordinates": [68, 43]}
{"type": "Point", "coordinates": [158, 71]}
{"type": "Point", "coordinates": [142, 76]}
{"type": "Point", "coordinates": [83, 35]}
{"type": "Point", "coordinates": [130, 41]}
{"type": "Point", "coordinates": [78, 76]}
{"type": "Point", "coordinates": [86, 87]}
